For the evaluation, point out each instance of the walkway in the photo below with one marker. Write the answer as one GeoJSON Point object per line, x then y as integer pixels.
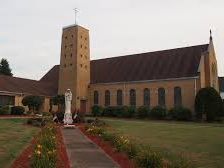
{"type": "Point", "coordinates": [83, 153]}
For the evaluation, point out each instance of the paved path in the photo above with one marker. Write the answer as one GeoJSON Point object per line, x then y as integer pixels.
{"type": "Point", "coordinates": [83, 153]}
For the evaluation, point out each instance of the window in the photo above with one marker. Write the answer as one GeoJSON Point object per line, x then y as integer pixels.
{"type": "Point", "coordinates": [64, 65]}
{"type": "Point", "coordinates": [146, 97]}
{"type": "Point", "coordinates": [132, 97]}
{"type": "Point", "coordinates": [65, 55]}
{"type": "Point", "coordinates": [66, 37]}
{"type": "Point", "coordinates": [81, 55]}
{"type": "Point", "coordinates": [81, 45]}
{"type": "Point", "coordinates": [119, 98]}
{"type": "Point", "coordinates": [161, 97]}
{"type": "Point", "coordinates": [95, 98]}
{"type": "Point", "coordinates": [71, 64]}
{"type": "Point", "coordinates": [71, 45]}
{"type": "Point", "coordinates": [65, 47]}
{"type": "Point", "coordinates": [71, 55]}
{"type": "Point", "coordinates": [177, 96]}
{"type": "Point", "coordinates": [107, 98]}
{"type": "Point", "coordinates": [72, 36]}
{"type": "Point", "coordinates": [7, 100]}
{"type": "Point", "coordinates": [81, 65]}
{"type": "Point", "coordinates": [81, 37]}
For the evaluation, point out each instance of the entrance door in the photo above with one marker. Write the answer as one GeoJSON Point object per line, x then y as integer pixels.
{"type": "Point", "coordinates": [83, 107]}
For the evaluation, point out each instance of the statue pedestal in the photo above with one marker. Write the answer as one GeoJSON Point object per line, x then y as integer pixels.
{"type": "Point", "coordinates": [69, 126]}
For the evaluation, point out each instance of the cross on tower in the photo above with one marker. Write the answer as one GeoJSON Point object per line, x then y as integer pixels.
{"type": "Point", "coordinates": [76, 13]}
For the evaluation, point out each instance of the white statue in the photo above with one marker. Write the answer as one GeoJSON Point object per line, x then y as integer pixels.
{"type": "Point", "coordinates": [68, 115]}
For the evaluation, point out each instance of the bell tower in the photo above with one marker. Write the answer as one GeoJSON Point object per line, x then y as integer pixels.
{"type": "Point", "coordinates": [74, 70]}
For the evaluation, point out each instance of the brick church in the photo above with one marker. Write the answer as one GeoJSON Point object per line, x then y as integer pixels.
{"type": "Point", "coordinates": [167, 78]}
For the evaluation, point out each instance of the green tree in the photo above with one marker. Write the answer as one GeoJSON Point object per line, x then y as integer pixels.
{"type": "Point", "coordinates": [33, 102]}
{"type": "Point", "coordinates": [208, 102]}
{"type": "Point", "coordinates": [5, 68]}
{"type": "Point", "coordinates": [59, 100]}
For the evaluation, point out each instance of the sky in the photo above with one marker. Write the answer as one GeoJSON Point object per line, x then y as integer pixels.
{"type": "Point", "coordinates": [30, 30]}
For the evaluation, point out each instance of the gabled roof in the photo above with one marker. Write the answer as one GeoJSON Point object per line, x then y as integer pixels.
{"type": "Point", "coordinates": [221, 84]}
{"type": "Point", "coordinates": [26, 86]}
{"type": "Point", "coordinates": [174, 63]}
{"type": "Point", "coordinates": [167, 64]}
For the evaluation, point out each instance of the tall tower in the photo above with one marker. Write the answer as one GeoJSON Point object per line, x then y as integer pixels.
{"type": "Point", "coordinates": [74, 70]}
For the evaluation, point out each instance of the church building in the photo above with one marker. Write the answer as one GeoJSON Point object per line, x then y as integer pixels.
{"type": "Point", "coordinates": [167, 78]}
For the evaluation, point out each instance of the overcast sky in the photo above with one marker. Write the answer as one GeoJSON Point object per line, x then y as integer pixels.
{"type": "Point", "coordinates": [30, 30]}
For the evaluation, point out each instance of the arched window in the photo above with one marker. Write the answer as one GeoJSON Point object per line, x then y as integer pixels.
{"type": "Point", "coordinates": [107, 98]}
{"type": "Point", "coordinates": [177, 96]}
{"type": "Point", "coordinates": [95, 97]}
{"type": "Point", "coordinates": [161, 97]}
{"type": "Point", "coordinates": [146, 97]}
{"type": "Point", "coordinates": [132, 97]}
{"type": "Point", "coordinates": [119, 98]}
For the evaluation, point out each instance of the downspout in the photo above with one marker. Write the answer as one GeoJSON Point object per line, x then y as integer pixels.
{"type": "Point", "coordinates": [124, 93]}
{"type": "Point", "coordinates": [195, 87]}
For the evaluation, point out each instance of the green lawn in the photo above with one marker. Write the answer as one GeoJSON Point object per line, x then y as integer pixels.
{"type": "Point", "coordinates": [203, 144]}
{"type": "Point", "coordinates": [13, 138]}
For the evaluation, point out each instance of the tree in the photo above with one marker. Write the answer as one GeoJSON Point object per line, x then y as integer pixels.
{"type": "Point", "coordinates": [5, 68]}
{"type": "Point", "coordinates": [59, 100]}
{"type": "Point", "coordinates": [33, 102]}
{"type": "Point", "coordinates": [209, 102]}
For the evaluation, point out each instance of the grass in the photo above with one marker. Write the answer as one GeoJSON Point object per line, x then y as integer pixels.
{"type": "Point", "coordinates": [202, 144]}
{"type": "Point", "coordinates": [13, 138]}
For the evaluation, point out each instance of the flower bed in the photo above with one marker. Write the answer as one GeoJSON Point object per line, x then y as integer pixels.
{"type": "Point", "coordinates": [128, 153]}
{"type": "Point", "coordinates": [45, 150]}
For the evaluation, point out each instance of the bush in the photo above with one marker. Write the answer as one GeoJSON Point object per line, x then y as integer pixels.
{"type": "Point", "coordinates": [148, 159]}
{"type": "Point", "coordinates": [96, 110]}
{"type": "Point", "coordinates": [46, 114]}
{"type": "Point", "coordinates": [208, 102]}
{"type": "Point", "coordinates": [60, 116]}
{"type": "Point", "coordinates": [158, 112]}
{"type": "Point", "coordinates": [5, 110]}
{"type": "Point", "coordinates": [128, 111]}
{"type": "Point", "coordinates": [17, 110]}
{"type": "Point", "coordinates": [142, 112]}
{"type": "Point", "coordinates": [180, 113]}
{"type": "Point", "coordinates": [108, 111]}
{"type": "Point", "coordinates": [80, 117]}
{"type": "Point", "coordinates": [36, 122]}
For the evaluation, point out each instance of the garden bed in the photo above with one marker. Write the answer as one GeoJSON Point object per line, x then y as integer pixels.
{"type": "Point", "coordinates": [121, 158]}
{"type": "Point", "coordinates": [24, 158]}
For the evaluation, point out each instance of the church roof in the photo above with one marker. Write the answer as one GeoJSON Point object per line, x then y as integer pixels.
{"type": "Point", "coordinates": [167, 64]}
{"type": "Point", "coordinates": [221, 84]}
{"type": "Point", "coordinates": [26, 86]}
{"type": "Point", "coordinates": [159, 65]}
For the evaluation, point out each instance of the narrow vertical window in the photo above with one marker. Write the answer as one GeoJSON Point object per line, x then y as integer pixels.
{"type": "Point", "coordinates": [95, 98]}
{"type": "Point", "coordinates": [161, 97]}
{"type": "Point", "coordinates": [107, 98]}
{"type": "Point", "coordinates": [119, 98]}
{"type": "Point", "coordinates": [146, 97]}
{"type": "Point", "coordinates": [132, 97]}
{"type": "Point", "coordinates": [177, 96]}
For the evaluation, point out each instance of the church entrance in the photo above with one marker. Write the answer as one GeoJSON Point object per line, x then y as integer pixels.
{"type": "Point", "coordinates": [83, 106]}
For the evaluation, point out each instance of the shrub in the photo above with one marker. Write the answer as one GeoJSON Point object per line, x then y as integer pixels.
{"type": "Point", "coordinates": [148, 159]}
{"type": "Point", "coordinates": [36, 122]}
{"type": "Point", "coordinates": [17, 110]}
{"type": "Point", "coordinates": [142, 112]}
{"type": "Point", "coordinates": [80, 117]}
{"type": "Point", "coordinates": [60, 116]}
{"type": "Point", "coordinates": [108, 111]}
{"type": "Point", "coordinates": [45, 153]}
{"type": "Point", "coordinates": [46, 113]}
{"type": "Point", "coordinates": [180, 113]}
{"type": "Point", "coordinates": [96, 110]}
{"type": "Point", "coordinates": [128, 111]}
{"type": "Point", "coordinates": [5, 110]}
{"type": "Point", "coordinates": [208, 102]}
{"type": "Point", "coordinates": [158, 112]}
